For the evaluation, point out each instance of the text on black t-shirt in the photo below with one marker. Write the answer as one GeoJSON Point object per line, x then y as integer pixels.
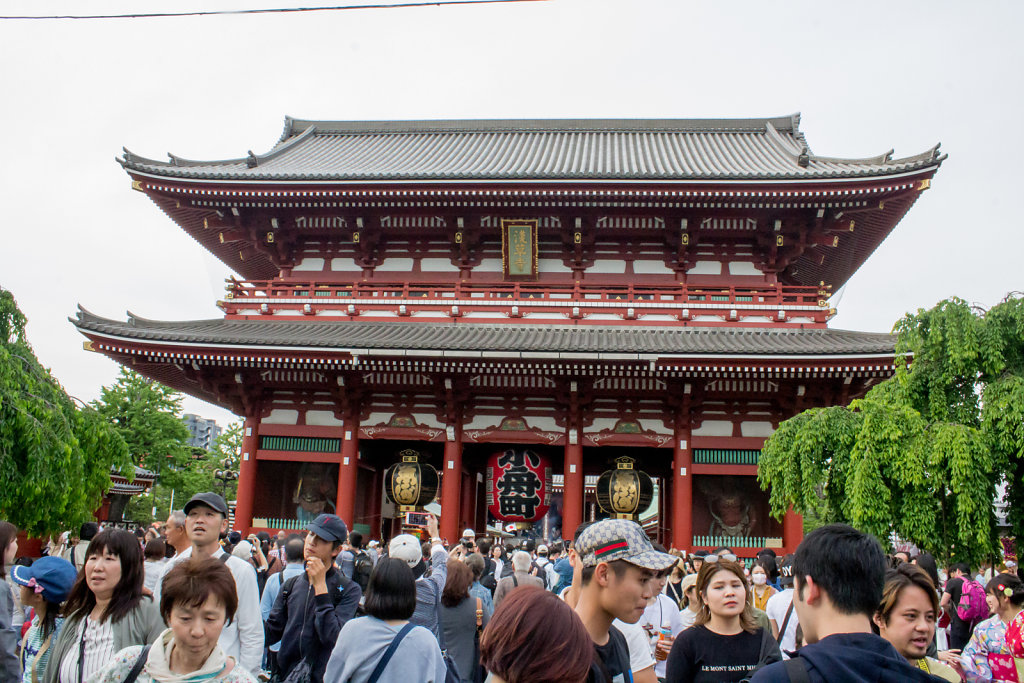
{"type": "Point", "coordinates": [702, 656]}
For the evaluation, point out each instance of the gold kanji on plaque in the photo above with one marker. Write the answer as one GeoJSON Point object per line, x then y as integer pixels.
{"type": "Point", "coordinates": [519, 248]}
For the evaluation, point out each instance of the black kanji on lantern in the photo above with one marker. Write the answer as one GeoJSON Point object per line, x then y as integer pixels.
{"type": "Point", "coordinates": [518, 485]}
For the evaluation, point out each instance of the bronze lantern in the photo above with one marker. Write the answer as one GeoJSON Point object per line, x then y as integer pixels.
{"type": "Point", "coordinates": [410, 484]}
{"type": "Point", "coordinates": [624, 492]}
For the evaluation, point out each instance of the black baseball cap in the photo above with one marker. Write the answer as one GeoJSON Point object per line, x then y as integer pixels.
{"type": "Point", "coordinates": [210, 500]}
{"type": "Point", "coordinates": [329, 527]}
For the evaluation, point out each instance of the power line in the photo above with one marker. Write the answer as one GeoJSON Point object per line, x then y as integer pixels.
{"type": "Point", "coordinates": [271, 10]}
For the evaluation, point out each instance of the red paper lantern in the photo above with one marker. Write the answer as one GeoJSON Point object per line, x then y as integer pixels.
{"type": "Point", "coordinates": [518, 486]}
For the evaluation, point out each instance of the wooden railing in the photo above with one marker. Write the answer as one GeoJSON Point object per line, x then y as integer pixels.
{"type": "Point", "coordinates": [632, 301]}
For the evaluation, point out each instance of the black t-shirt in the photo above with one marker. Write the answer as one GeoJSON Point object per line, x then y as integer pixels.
{"type": "Point", "coordinates": [611, 660]}
{"type": "Point", "coordinates": [958, 628]}
{"type": "Point", "coordinates": [702, 656]}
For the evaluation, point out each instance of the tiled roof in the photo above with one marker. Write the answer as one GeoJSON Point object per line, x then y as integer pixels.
{"type": "Point", "coordinates": [360, 337]}
{"type": "Point", "coordinates": [613, 149]}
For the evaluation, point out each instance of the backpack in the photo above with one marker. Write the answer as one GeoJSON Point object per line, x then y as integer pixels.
{"type": "Point", "coordinates": [362, 567]}
{"type": "Point", "coordinates": [972, 606]}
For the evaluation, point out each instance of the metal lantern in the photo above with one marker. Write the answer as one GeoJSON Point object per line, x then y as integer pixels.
{"type": "Point", "coordinates": [624, 492]}
{"type": "Point", "coordinates": [410, 484]}
{"type": "Point", "coordinates": [518, 486]}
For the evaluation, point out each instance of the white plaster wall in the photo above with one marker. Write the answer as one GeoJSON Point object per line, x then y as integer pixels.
{"type": "Point", "coordinates": [607, 266]}
{"type": "Point", "coordinates": [743, 268]}
{"type": "Point", "coordinates": [705, 268]}
{"type": "Point", "coordinates": [489, 265]}
{"type": "Point", "coordinates": [756, 429]}
{"type": "Point", "coordinates": [483, 422]}
{"type": "Point", "coordinates": [323, 418]}
{"type": "Point", "coordinates": [652, 267]}
{"type": "Point", "coordinates": [281, 416]}
{"type": "Point", "coordinates": [428, 420]}
{"type": "Point", "coordinates": [395, 265]}
{"type": "Point", "coordinates": [714, 428]}
{"type": "Point", "coordinates": [552, 265]}
{"type": "Point", "coordinates": [309, 264]}
{"type": "Point", "coordinates": [344, 265]}
{"type": "Point", "coordinates": [377, 418]}
{"type": "Point", "coordinates": [437, 265]}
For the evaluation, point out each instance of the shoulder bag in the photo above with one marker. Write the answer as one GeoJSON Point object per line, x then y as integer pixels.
{"type": "Point", "coordinates": [137, 667]}
{"type": "Point", "coordinates": [383, 663]}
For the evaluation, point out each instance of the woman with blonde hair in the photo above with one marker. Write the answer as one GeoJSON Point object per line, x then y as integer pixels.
{"type": "Point", "coordinates": [725, 642]}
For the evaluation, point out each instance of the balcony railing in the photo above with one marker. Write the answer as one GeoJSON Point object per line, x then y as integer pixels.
{"type": "Point", "coordinates": [682, 302]}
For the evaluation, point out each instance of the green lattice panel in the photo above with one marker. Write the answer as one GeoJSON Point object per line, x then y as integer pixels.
{"type": "Point", "coordinates": [305, 444]}
{"type": "Point", "coordinates": [725, 456]}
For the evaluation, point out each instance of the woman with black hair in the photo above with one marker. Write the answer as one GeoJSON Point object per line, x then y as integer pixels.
{"type": "Point", "coordinates": [106, 610]}
{"type": "Point", "coordinates": [363, 642]}
{"type": "Point", "coordinates": [987, 646]}
{"type": "Point", "coordinates": [44, 586]}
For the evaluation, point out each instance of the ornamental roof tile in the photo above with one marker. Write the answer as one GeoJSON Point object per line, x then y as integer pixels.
{"type": "Point", "coordinates": [470, 337]}
{"type": "Point", "coordinates": [556, 149]}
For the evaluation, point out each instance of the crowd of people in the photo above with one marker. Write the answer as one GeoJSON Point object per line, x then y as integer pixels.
{"type": "Point", "coordinates": [188, 601]}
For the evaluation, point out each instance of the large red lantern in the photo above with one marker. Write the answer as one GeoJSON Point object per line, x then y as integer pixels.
{"type": "Point", "coordinates": [518, 486]}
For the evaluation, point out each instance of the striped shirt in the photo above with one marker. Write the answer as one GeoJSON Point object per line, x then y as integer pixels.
{"type": "Point", "coordinates": [30, 659]}
{"type": "Point", "coordinates": [96, 640]}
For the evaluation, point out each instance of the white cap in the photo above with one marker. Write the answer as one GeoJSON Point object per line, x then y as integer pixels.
{"type": "Point", "coordinates": [406, 547]}
{"type": "Point", "coordinates": [469, 533]}
{"type": "Point", "coordinates": [542, 550]}
{"type": "Point", "coordinates": [243, 550]}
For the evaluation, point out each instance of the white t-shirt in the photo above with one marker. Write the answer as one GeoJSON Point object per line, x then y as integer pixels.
{"type": "Point", "coordinates": [243, 637]}
{"type": "Point", "coordinates": [776, 609]}
{"type": "Point", "coordinates": [662, 613]}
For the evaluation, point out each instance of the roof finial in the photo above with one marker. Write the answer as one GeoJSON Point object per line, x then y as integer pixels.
{"type": "Point", "coordinates": [251, 161]}
{"type": "Point", "coordinates": [804, 159]}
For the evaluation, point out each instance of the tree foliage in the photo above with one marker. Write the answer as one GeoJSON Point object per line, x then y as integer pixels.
{"type": "Point", "coordinates": [147, 415]}
{"type": "Point", "coordinates": [55, 458]}
{"type": "Point", "coordinates": [922, 454]}
{"type": "Point", "coordinates": [195, 476]}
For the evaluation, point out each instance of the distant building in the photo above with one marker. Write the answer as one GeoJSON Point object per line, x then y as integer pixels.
{"type": "Point", "coordinates": [203, 431]}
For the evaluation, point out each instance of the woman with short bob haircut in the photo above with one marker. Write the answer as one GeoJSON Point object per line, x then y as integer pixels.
{"type": "Point", "coordinates": [534, 637]}
{"type": "Point", "coordinates": [106, 610]}
{"type": "Point", "coordinates": [197, 600]}
{"type": "Point", "coordinates": [363, 642]}
{"type": "Point", "coordinates": [725, 643]}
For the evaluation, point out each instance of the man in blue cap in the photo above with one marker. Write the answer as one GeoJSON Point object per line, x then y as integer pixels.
{"type": "Point", "coordinates": [312, 607]}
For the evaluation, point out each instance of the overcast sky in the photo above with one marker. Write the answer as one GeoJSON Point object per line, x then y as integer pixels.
{"type": "Point", "coordinates": [866, 76]}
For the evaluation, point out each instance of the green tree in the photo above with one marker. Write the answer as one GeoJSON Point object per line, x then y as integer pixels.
{"type": "Point", "coordinates": [55, 457]}
{"type": "Point", "coordinates": [195, 476]}
{"type": "Point", "coordinates": [921, 455]}
{"type": "Point", "coordinates": [147, 414]}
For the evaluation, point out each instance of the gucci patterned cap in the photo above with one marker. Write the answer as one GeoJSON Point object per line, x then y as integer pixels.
{"type": "Point", "coordinates": [620, 539]}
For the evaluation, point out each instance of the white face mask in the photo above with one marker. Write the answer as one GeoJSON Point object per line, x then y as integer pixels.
{"type": "Point", "coordinates": [759, 579]}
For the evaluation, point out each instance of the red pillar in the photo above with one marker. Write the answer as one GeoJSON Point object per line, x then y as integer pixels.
{"type": "Point", "coordinates": [451, 486]}
{"type": "Point", "coordinates": [572, 492]}
{"type": "Point", "coordinates": [792, 530]}
{"type": "Point", "coordinates": [682, 491]}
{"type": "Point", "coordinates": [348, 471]}
{"type": "Point", "coordinates": [247, 475]}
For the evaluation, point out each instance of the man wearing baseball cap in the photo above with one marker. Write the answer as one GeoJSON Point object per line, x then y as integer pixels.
{"type": "Point", "coordinates": [429, 587]}
{"type": "Point", "coordinates": [206, 518]}
{"type": "Point", "coordinates": [312, 607]}
{"type": "Point", "coordinates": [619, 569]}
